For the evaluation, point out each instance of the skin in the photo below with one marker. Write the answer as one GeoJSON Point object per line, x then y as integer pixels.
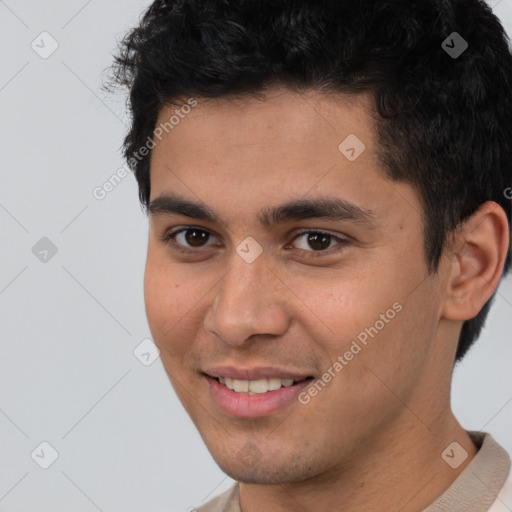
{"type": "Point", "coordinates": [374, 435]}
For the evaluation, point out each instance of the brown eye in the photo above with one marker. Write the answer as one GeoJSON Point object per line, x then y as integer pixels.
{"type": "Point", "coordinates": [187, 239]}
{"type": "Point", "coordinates": [317, 243]}
{"type": "Point", "coordinates": [195, 237]}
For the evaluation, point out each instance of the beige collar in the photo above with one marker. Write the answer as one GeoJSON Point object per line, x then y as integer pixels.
{"type": "Point", "coordinates": [477, 487]}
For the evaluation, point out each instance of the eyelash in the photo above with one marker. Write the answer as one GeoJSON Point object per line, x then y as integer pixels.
{"type": "Point", "coordinates": [311, 254]}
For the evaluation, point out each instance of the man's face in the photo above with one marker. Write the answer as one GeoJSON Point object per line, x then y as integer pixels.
{"type": "Point", "coordinates": [225, 309]}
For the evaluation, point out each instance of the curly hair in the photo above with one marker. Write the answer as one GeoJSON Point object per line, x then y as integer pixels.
{"type": "Point", "coordinates": [444, 121]}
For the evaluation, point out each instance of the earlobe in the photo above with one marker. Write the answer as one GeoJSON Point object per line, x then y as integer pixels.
{"type": "Point", "coordinates": [477, 257]}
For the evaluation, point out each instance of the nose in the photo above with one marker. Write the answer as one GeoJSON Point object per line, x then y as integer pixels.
{"type": "Point", "coordinates": [250, 300]}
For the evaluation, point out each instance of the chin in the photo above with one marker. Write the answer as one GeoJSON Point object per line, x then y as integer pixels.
{"type": "Point", "coordinates": [264, 471]}
{"type": "Point", "coordinates": [260, 476]}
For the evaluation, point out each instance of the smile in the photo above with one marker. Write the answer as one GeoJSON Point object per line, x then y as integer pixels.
{"type": "Point", "coordinates": [255, 398]}
{"type": "Point", "coordinates": [256, 387]}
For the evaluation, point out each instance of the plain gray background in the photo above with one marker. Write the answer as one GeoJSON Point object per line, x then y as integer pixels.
{"type": "Point", "coordinates": [70, 324]}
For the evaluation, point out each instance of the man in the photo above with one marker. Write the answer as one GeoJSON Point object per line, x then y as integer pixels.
{"type": "Point", "coordinates": [326, 184]}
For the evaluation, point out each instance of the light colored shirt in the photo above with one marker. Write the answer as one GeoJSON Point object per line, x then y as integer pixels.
{"type": "Point", "coordinates": [485, 485]}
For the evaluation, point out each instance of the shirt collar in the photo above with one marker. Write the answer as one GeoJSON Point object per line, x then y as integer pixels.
{"type": "Point", "coordinates": [478, 486]}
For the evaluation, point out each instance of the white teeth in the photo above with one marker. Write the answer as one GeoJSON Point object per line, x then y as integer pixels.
{"type": "Point", "coordinates": [253, 387]}
{"type": "Point", "coordinates": [258, 386]}
{"type": "Point", "coordinates": [241, 386]}
{"type": "Point", "coordinates": [274, 384]}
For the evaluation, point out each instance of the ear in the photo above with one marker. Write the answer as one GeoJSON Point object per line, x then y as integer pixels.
{"type": "Point", "coordinates": [477, 255]}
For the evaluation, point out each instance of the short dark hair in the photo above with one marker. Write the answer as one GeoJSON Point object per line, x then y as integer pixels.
{"type": "Point", "coordinates": [444, 123]}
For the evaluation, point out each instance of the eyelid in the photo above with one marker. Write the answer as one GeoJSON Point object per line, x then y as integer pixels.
{"type": "Point", "coordinates": [341, 238]}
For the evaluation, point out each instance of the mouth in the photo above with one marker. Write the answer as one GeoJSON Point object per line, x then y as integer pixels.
{"type": "Point", "coordinates": [254, 398]}
{"type": "Point", "coordinates": [258, 386]}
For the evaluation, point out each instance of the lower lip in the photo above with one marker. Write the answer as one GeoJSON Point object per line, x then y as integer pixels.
{"type": "Point", "coordinates": [243, 405]}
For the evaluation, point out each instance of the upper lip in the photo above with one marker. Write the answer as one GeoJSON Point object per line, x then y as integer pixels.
{"type": "Point", "coordinates": [260, 372]}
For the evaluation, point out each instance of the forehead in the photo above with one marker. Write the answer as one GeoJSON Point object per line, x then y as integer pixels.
{"type": "Point", "coordinates": [307, 115]}
{"type": "Point", "coordinates": [279, 133]}
{"type": "Point", "coordinates": [236, 155]}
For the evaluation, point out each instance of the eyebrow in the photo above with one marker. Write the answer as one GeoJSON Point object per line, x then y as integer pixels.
{"type": "Point", "coordinates": [326, 208]}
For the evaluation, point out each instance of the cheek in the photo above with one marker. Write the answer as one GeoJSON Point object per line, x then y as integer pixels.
{"type": "Point", "coordinates": [165, 299]}
{"type": "Point", "coordinates": [393, 361]}
{"type": "Point", "coordinates": [375, 319]}
{"type": "Point", "coordinates": [174, 303]}
{"type": "Point", "coordinates": [157, 298]}
{"type": "Point", "coordinates": [343, 306]}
